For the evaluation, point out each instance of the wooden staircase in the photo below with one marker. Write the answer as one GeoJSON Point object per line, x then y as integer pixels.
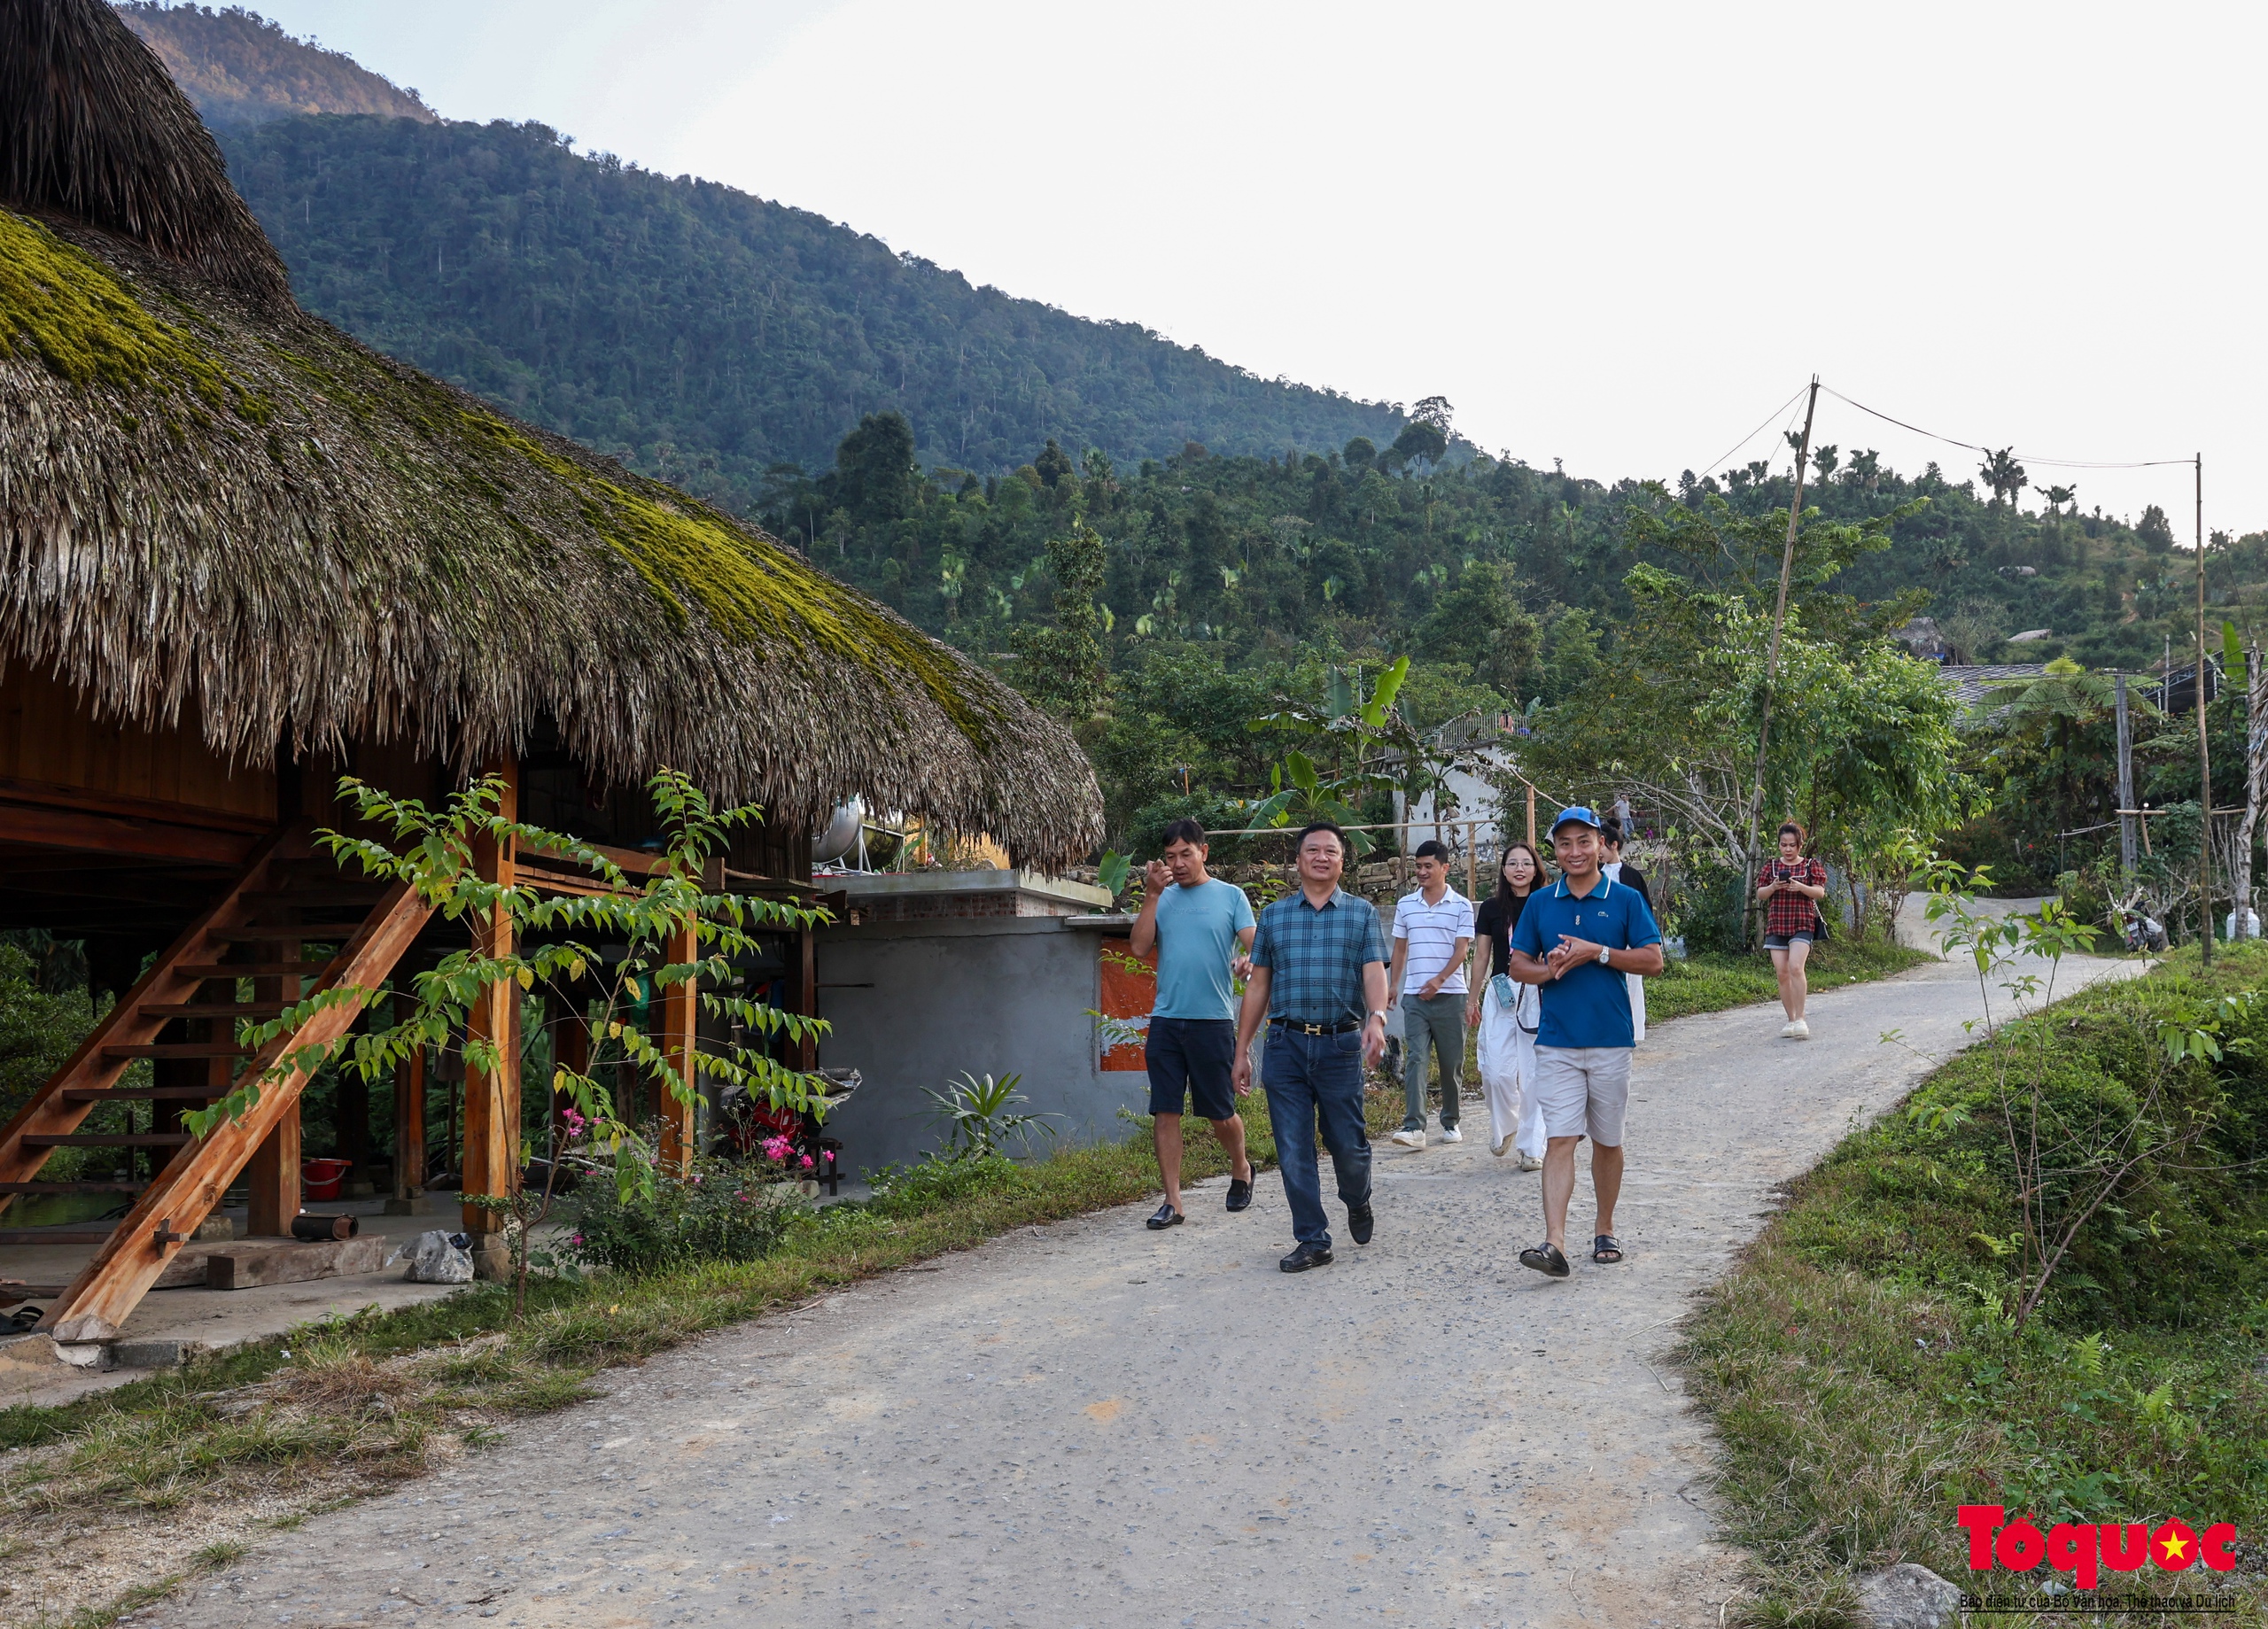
{"type": "Point", "coordinates": [183, 1011]}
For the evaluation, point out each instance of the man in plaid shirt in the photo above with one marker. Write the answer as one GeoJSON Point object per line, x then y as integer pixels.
{"type": "Point", "coordinates": [1318, 977]}
{"type": "Point", "coordinates": [1790, 891]}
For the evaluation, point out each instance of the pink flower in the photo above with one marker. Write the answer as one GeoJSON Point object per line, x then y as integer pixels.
{"type": "Point", "coordinates": [807, 1162]}
{"type": "Point", "coordinates": [577, 1239]}
{"type": "Point", "coordinates": [778, 1148]}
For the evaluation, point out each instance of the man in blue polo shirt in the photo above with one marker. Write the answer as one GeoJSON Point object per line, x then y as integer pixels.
{"type": "Point", "coordinates": [1577, 940]}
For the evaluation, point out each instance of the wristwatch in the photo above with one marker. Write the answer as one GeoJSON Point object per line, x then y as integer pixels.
{"type": "Point", "coordinates": [1603, 954]}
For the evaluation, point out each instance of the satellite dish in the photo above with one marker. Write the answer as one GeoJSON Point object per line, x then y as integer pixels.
{"type": "Point", "coordinates": [842, 834]}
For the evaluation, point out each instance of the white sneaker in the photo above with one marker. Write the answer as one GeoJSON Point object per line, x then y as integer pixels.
{"type": "Point", "coordinates": [1452, 1134]}
{"type": "Point", "coordinates": [1799, 1031]}
{"type": "Point", "coordinates": [1528, 1164]}
{"type": "Point", "coordinates": [1787, 1030]}
{"type": "Point", "coordinates": [1409, 1139]}
{"type": "Point", "coordinates": [1502, 1146]}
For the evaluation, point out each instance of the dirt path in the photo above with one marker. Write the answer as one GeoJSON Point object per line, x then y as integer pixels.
{"type": "Point", "coordinates": [1091, 1424]}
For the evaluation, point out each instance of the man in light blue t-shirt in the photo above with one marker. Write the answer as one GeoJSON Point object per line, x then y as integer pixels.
{"type": "Point", "coordinates": [1199, 926]}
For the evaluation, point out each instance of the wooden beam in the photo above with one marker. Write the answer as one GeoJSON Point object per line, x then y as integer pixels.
{"type": "Point", "coordinates": [492, 1097]}
{"type": "Point", "coordinates": [680, 1044]}
{"type": "Point", "coordinates": [273, 1174]}
{"type": "Point", "coordinates": [133, 1257]}
{"type": "Point", "coordinates": [15, 790]}
{"type": "Point", "coordinates": [85, 832]}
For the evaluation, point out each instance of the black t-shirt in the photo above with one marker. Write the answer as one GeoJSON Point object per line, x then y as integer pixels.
{"type": "Point", "coordinates": [1494, 922]}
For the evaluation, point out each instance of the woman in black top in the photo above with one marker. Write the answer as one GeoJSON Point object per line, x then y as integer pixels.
{"type": "Point", "coordinates": [1505, 1013]}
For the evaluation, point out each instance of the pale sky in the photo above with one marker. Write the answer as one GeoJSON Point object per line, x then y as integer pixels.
{"type": "Point", "coordinates": [1616, 235]}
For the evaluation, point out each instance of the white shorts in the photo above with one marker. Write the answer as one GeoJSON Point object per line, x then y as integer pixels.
{"type": "Point", "coordinates": [1584, 1090]}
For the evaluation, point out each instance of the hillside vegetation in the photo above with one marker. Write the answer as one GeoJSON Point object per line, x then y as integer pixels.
{"type": "Point", "coordinates": [703, 334]}
{"type": "Point", "coordinates": [242, 70]}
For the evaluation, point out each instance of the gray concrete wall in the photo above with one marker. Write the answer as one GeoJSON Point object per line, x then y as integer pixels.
{"type": "Point", "coordinates": [914, 1005]}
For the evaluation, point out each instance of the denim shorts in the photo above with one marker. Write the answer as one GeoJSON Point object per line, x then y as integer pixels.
{"type": "Point", "coordinates": [1196, 1056]}
{"type": "Point", "coordinates": [1781, 942]}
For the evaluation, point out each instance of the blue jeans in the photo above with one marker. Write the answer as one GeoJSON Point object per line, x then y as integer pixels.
{"type": "Point", "coordinates": [1309, 1078]}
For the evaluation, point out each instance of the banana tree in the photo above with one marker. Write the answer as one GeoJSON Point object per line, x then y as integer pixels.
{"type": "Point", "coordinates": [1307, 797]}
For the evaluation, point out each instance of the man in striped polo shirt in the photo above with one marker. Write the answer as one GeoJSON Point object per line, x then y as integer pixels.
{"type": "Point", "coordinates": [1433, 931]}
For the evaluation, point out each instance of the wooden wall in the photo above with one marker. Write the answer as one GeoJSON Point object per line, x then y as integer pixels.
{"type": "Point", "coordinates": [49, 739]}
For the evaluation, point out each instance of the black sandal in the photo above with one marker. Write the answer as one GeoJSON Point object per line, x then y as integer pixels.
{"type": "Point", "coordinates": [1546, 1258]}
{"type": "Point", "coordinates": [1166, 1217]}
{"type": "Point", "coordinates": [1605, 1250]}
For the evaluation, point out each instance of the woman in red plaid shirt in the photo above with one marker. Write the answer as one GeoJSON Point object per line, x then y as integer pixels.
{"type": "Point", "coordinates": [1790, 890]}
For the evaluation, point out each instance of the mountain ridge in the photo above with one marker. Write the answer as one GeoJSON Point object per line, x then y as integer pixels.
{"type": "Point", "coordinates": [698, 332]}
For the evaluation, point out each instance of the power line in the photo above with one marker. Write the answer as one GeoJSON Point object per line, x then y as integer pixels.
{"type": "Point", "coordinates": [2029, 458]}
{"type": "Point", "coordinates": [1753, 434]}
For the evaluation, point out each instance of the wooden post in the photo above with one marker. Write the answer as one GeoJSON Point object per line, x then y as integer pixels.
{"type": "Point", "coordinates": [1531, 819]}
{"type": "Point", "coordinates": [409, 1111]}
{"type": "Point", "coordinates": [273, 1174]}
{"type": "Point", "coordinates": [573, 1039]}
{"type": "Point", "coordinates": [2204, 746]}
{"type": "Point", "coordinates": [1772, 665]}
{"type": "Point", "coordinates": [2125, 785]}
{"type": "Point", "coordinates": [807, 1001]}
{"type": "Point", "coordinates": [491, 1096]}
{"type": "Point", "coordinates": [680, 1044]}
{"type": "Point", "coordinates": [2240, 879]}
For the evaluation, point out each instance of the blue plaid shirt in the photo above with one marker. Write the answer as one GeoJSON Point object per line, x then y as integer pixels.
{"type": "Point", "coordinates": [1316, 958]}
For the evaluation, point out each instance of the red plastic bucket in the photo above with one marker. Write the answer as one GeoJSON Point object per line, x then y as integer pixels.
{"type": "Point", "coordinates": [322, 1179]}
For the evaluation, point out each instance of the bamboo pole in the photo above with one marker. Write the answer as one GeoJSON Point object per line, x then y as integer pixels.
{"type": "Point", "coordinates": [1772, 662]}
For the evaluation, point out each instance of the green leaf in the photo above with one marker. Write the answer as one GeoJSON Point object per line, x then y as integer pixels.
{"type": "Point", "coordinates": [2232, 649]}
{"type": "Point", "coordinates": [1389, 685]}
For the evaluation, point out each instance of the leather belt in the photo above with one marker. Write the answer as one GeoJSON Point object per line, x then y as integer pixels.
{"type": "Point", "coordinates": [1317, 1029]}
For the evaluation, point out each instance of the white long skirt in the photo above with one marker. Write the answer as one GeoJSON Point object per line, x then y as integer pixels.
{"type": "Point", "coordinates": [1507, 1069]}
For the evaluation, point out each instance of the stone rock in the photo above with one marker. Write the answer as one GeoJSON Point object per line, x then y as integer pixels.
{"type": "Point", "coordinates": [1908, 1596]}
{"type": "Point", "coordinates": [436, 1257]}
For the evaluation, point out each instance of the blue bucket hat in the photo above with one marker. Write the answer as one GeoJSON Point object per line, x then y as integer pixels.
{"type": "Point", "coordinates": [1578, 814]}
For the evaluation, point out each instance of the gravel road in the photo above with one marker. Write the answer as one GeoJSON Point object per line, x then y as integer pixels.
{"type": "Point", "coordinates": [1091, 1425]}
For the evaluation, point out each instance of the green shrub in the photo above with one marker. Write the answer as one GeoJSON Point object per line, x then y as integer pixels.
{"type": "Point", "coordinates": [720, 1212]}
{"type": "Point", "coordinates": [1708, 909]}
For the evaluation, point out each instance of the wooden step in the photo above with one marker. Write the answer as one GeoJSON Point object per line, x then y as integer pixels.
{"type": "Point", "coordinates": [114, 1187]}
{"type": "Point", "coordinates": [211, 1009]}
{"type": "Point", "coordinates": [178, 1048]}
{"type": "Point", "coordinates": [327, 933]}
{"type": "Point", "coordinates": [337, 894]}
{"type": "Point", "coordinates": [141, 1094]}
{"type": "Point", "coordinates": [249, 970]}
{"type": "Point", "coordinates": [108, 1140]}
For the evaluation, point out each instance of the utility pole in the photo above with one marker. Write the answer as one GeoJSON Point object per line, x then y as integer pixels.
{"type": "Point", "coordinates": [1772, 660]}
{"type": "Point", "coordinates": [2240, 882]}
{"type": "Point", "coordinates": [2204, 744]}
{"type": "Point", "coordinates": [2125, 785]}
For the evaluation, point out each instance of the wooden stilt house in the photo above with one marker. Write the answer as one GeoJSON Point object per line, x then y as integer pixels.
{"type": "Point", "coordinates": [241, 554]}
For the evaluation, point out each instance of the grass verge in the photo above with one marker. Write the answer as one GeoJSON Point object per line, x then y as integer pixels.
{"type": "Point", "coordinates": [1865, 1378]}
{"type": "Point", "coordinates": [1711, 981]}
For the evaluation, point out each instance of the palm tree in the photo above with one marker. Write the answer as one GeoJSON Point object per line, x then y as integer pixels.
{"type": "Point", "coordinates": [2003, 475]}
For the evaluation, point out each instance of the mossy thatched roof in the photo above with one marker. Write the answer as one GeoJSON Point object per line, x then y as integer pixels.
{"type": "Point", "coordinates": [208, 497]}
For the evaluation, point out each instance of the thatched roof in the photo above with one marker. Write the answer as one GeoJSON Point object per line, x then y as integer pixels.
{"type": "Point", "coordinates": [208, 496]}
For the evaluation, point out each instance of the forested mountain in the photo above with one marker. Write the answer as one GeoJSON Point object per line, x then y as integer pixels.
{"type": "Point", "coordinates": [242, 70]}
{"type": "Point", "coordinates": [948, 448]}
